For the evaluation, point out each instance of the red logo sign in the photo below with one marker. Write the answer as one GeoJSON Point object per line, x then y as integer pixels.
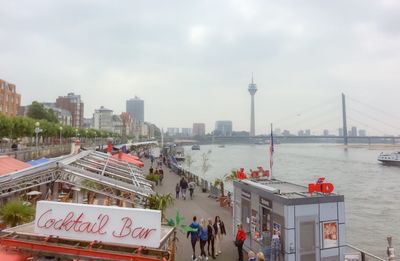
{"type": "Point", "coordinates": [320, 186]}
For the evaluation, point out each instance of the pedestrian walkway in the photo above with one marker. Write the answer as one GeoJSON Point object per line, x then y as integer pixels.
{"type": "Point", "coordinates": [202, 207]}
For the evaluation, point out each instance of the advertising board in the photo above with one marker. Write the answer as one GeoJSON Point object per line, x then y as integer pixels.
{"type": "Point", "coordinates": [116, 225]}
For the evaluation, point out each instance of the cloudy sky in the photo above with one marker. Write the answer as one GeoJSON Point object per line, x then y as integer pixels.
{"type": "Point", "coordinates": [191, 61]}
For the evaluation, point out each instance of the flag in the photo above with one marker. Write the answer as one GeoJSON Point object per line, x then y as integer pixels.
{"type": "Point", "coordinates": [271, 153]}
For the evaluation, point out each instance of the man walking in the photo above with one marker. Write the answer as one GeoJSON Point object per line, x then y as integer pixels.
{"type": "Point", "coordinates": [192, 185]}
{"type": "Point", "coordinates": [184, 186]}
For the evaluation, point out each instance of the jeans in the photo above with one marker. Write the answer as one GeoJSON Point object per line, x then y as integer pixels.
{"type": "Point", "coordinates": [183, 192]}
{"type": "Point", "coordinates": [191, 193]}
{"type": "Point", "coordinates": [194, 248]}
{"type": "Point", "coordinates": [202, 245]}
{"type": "Point", "coordinates": [240, 250]}
{"type": "Point", "coordinates": [275, 246]}
{"type": "Point", "coordinates": [211, 241]}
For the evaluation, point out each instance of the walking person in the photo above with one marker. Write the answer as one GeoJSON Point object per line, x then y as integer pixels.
{"type": "Point", "coordinates": [177, 190]}
{"type": "Point", "coordinates": [194, 235]}
{"type": "Point", "coordinates": [260, 256]}
{"type": "Point", "coordinates": [192, 186]}
{"type": "Point", "coordinates": [203, 238]}
{"type": "Point", "coordinates": [211, 239]}
{"type": "Point", "coordinates": [240, 238]}
{"type": "Point", "coordinates": [161, 173]}
{"type": "Point", "coordinates": [219, 229]}
{"type": "Point", "coordinates": [275, 246]}
{"type": "Point", "coordinates": [184, 186]}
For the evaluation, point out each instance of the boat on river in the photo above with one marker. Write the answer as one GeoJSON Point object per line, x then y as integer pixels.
{"type": "Point", "coordinates": [390, 158]}
{"type": "Point", "coordinates": [179, 153]}
{"type": "Point", "coordinates": [196, 147]}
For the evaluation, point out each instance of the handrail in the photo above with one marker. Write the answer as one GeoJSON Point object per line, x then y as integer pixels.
{"type": "Point", "coordinates": [365, 253]}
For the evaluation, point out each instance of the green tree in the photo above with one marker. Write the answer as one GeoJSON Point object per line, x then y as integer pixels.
{"type": "Point", "coordinates": [16, 212]}
{"type": "Point", "coordinates": [5, 126]}
{"type": "Point", "coordinates": [37, 111]}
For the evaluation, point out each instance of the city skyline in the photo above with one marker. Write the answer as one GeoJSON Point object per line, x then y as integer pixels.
{"type": "Point", "coordinates": [196, 67]}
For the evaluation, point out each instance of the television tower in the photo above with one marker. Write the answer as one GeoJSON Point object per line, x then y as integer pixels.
{"type": "Point", "coordinates": [252, 90]}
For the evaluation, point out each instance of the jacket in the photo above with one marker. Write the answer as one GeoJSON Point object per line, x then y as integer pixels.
{"type": "Point", "coordinates": [210, 230]}
{"type": "Point", "coordinates": [223, 231]}
{"type": "Point", "coordinates": [195, 234]}
{"type": "Point", "coordinates": [241, 235]}
{"type": "Point", "coordinates": [203, 234]}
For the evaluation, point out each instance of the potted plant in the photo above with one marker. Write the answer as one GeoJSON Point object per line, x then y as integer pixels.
{"type": "Point", "coordinates": [159, 202]}
{"type": "Point", "coordinates": [222, 198]}
{"type": "Point", "coordinates": [16, 212]}
{"type": "Point", "coordinates": [205, 166]}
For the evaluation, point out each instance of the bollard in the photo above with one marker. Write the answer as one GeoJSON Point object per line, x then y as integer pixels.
{"type": "Point", "coordinates": [390, 249]}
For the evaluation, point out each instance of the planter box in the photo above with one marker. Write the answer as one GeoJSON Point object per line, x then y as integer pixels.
{"type": "Point", "coordinates": [222, 201]}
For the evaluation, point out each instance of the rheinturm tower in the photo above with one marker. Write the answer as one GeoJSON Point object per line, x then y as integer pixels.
{"type": "Point", "coordinates": [252, 90]}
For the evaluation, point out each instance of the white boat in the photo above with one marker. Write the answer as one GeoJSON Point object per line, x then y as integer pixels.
{"type": "Point", "coordinates": [179, 153]}
{"type": "Point", "coordinates": [196, 147]}
{"type": "Point", "coordinates": [390, 158]}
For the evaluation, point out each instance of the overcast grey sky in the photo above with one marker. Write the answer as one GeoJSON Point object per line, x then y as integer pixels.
{"type": "Point", "coordinates": [191, 61]}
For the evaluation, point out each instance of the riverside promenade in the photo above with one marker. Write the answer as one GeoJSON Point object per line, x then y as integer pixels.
{"type": "Point", "coordinates": [201, 206]}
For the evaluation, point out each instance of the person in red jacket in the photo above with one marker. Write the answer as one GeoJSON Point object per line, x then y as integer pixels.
{"type": "Point", "coordinates": [240, 238]}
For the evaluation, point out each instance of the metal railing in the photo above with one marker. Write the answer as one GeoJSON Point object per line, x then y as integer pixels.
{"type": "Point", "coordinates": [363, 255]}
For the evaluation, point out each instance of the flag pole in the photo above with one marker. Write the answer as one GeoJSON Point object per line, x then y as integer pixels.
{"type": "Point", "coordinates": [271, 152]}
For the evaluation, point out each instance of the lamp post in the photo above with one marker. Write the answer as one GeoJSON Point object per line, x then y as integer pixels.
{"type": "Point", "coordinates": [37, 131]}
{"type": "Point", "coordinates": [61, 128]}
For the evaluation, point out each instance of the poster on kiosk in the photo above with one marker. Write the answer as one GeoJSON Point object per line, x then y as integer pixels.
{"type": "Point", "coordinates": [108, 224]}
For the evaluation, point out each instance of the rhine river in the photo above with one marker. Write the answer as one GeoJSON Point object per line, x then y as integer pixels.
{"type": "Point", "coordinates": [371, 190]}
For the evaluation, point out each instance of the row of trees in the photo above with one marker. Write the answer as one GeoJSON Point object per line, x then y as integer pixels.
{"type": "Point", "coordinates": [20, 127]}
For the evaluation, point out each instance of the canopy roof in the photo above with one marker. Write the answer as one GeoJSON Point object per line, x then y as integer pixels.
{"type": "Point", "coordinates": [9, 165]}
{"type": "Point", "coordinates": [129, 158]}
{"type": "Point", "coordinates": [91, 170]}
{"type": "Point", "coordinates": [38, 161]}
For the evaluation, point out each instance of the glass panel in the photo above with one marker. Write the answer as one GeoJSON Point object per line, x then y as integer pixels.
{"type": "Point", "coordinates": [307, 241]}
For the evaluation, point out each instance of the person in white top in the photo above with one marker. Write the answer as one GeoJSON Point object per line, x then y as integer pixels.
{"type": "Point", "coordinates": [219, 229]}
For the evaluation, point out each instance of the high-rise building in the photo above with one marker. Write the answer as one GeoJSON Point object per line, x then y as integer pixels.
{"type": "Point", "coordinates": [199, 129]}
{"type": "Point", "coordinates": [252, 90]}
{"type": "Point", "coordinates": [307, 132]}
{"type": "Point", "coordinates": [10, 100]}
{"type": "Point", "coordinates": [300, 133]}
{"type": "Point", "coordinates": [102, 119]}
{"type": "Point", "coordinates": [74, 105]}
{"type": "Point", "coordinates": [135, 107]}
{"type": "Point", "coordinates": [223, 128]}
{"type": "Point", "coordinates": [362, 133]}
{"type": "Point", "coordinates": [172, 131]}
{"type": "Point", "coordinates": [285, 132]}
{"type": "Point", "coordinates": [353, 131]}
{"type": "Point", "coordinates": [326, 132]}
{"type": "Point", "coordinates": [64, 116]}
{"type": "Point", "coordinates": [186, 132]}
{"type": "Point", "coordinates": [340, 130]}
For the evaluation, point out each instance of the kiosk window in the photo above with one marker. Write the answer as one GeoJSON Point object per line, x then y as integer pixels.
{"type": "Point", "coordinates": [266, 220]}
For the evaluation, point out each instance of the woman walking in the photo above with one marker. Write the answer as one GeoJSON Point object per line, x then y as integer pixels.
{"type": "Point", "coordinates": [211, 237]}
{"type": "Point", "coordinates": [240, 238]}
{"type": "Point", "coordinates": [219, 229]}
{"type": "Point", "coordinates": [194, 235]}
{"type": "Point", "coordinates": [203, 238]}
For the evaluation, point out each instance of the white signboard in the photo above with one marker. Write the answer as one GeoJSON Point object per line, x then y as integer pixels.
{"type": "Point", "coordinates": [127, 226]}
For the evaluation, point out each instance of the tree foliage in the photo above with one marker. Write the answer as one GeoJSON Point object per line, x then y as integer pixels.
{"type": "Point", "coordinates": [37, 111]}
{"type": "Point", "coordinates": [16, 212]}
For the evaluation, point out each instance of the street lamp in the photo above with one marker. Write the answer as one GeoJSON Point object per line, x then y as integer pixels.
{"type": "Point", "coordinates": [37, 131]}
{"type": "Point", "coordinates": [61, 128]}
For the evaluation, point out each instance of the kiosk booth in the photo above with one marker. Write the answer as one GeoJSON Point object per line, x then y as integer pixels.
{"type": "Point", "coordinates": [289, 222]}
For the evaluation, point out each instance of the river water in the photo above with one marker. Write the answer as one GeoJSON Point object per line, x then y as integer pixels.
{"type": "Point", "coordinates": [371, 190]}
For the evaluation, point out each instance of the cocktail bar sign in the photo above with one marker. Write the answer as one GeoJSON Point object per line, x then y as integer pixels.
{"type": "Point", "coordinates": [127, 226]}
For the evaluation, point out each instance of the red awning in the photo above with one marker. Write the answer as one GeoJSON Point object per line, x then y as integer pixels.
{"type": "Point", "coordinates": [11, 255]}
{"type": "Point", "coordinates": [128, 158]}
{"type": "Point", "coordinates": [8, 165]}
